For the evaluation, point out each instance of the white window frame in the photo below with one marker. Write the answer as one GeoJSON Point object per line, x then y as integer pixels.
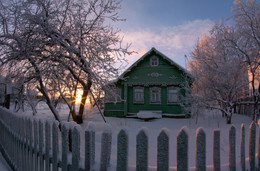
{"type": "Point", "coordinates": [138, 95]}
{"type": "Point", "coordinates": [154, 61]}
{"type": "Point", "coordinates": [155, 95]}
{"type": "Point", "coordinates": [172, 95]}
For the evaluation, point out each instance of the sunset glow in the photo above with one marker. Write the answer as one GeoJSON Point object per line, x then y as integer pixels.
{"type": "Point", "coordinates": [78, 97]}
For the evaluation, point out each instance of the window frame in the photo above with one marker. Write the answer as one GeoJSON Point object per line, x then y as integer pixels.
{"type": "Point", "coordinates": [173, 90]}
{"type": "Point", "coordinates": [155, 101]}
{"type": "Point", "coordinates": [152, 62]}
{"type": "Point", "coordinates": [137, 101]}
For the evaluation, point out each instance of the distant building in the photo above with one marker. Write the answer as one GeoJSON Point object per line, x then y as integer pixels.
{"type": "Point", "coordinates": [153, 83]}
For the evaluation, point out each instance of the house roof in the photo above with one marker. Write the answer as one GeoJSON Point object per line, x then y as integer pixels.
{"type": "Point", "coordinates": [153, 50]}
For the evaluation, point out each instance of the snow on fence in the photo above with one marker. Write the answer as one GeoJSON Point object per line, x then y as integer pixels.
{"type": "Point", "coordinates": [31, 144]}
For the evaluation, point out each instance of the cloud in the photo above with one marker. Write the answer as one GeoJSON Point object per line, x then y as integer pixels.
{"type": "Point", "coordinates": [174, 42]}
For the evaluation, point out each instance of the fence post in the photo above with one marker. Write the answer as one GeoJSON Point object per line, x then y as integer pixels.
{"type": "Point", "coordinates": [23, 130]}
{"type": "Point", "coordinates": [182, 150]}
{"type": "Point", "coordinates": [26, 156]}
{"type": "Point", "coordinates": [232, 148]}
{"type": "Point", "coordinates": [75, 148]}
{"type": "Point", "coordinates": [216, 150]}
{"type": "Point", "coordinates": [65, 144]}
{"type": "Point", "coordinates": [163, 150]}
{"type": "Point", "coordinates": [41, 145]}
{"type": "Point", "coordinates": [200, 150]}
{"type": "Point", "coordinates": [142, 150]}
{"type": "Point", "coordinates": [90, 146]}
{"type": "Point", "coordinates": [242, 148]}
{"type": "Point", "coordinates": [31, 143]}
{"type": "Point", "coordinates": [106, 142]}
{"type": "Point", "coordinates": [47, 145]}
{"type": "Point", "coordinates": [55, 148]}
{"type": "Point", "coordinates": [122, 150]}
{"type": "Point", "coordinates": [252, 139]}
{"type": "Point", "coordinates": [35, 144]}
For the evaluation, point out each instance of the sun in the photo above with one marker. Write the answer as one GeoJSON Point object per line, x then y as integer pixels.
{"type": "Point", "coordinates": [78, 96]}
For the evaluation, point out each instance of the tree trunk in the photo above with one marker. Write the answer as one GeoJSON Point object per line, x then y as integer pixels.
{"type": "Point", "coordinates": [228, 119]}
{"type": "Point", "coordinates": [7, 101]}
{"type": "Point", "coordinates": [83, 102]}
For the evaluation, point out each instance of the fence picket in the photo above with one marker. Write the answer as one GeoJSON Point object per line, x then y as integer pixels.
{"type": "Point", "coordinates": [142, 150]}
{"type": "Point", "coordinates": [47, 145]}
{"type": "Point", "coordinates": [122, 150]}
{"type": "Point", "coordinates": [216, 150]}
{"type": "Point", "coordinates": [90, 146]}
{"type": "Point", "coordinates": [30, 144]}
{"type": "Point", "coordinates": [76, 148]}
{"type": "Point", "coordinates": [252, 140]}
{"type": "Point", "coordinates": [27, 143]}
{"type": "Point", "coordinates": [35, 123]}
{"type": "Point", "coordinates": [65, 146]}
{"type": "Point", "coordinates": [55, 148]}
{"type": "Point", "coordinates": [23, 157]}
{"type": "Point", "coordinates": [232, 148]}
{"type": "Point", "coordinates": [200, 150]}
{"type": "Point", "coordinates": [41, 159]}
{"type": "Point", "coordinates": [242, 148]}
{"type": "Point", "coordinates": [106, 142]}
{"type": "Point", "coordinates": [163, 150]}
{"type": "Point", "coordinates": [182, 150]}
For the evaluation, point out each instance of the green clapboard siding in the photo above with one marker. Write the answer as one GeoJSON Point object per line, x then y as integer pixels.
{"type": "Point", "coordinates": [142, 74]}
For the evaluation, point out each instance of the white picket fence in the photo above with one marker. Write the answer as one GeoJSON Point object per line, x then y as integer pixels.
{"type": "Point", "coordinates": [30, 144]}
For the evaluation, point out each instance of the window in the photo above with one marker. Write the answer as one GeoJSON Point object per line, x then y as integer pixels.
{"type": "Point", "coordinates": [113, 95]}
{"type": "Point", "coordinates": [155, 95]}
{"type": "Point", "coordinates": [154, 61]}
{"type": "Point", "coordinates": [138, 95]}
{"type": "Point", "coordinates": [173, 95]}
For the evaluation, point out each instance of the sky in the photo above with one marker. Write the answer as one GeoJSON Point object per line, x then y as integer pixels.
{"type": "Point", "coordinates": [171, 26]}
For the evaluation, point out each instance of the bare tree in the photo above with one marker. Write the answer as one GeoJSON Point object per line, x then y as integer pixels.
{"type": "Point", "coordinates": [220, 77]}
{"type": "Point", "coordinates": [72, 35]}
{"type": "Point", "coordinates": [229, 56]}
{"type": "Point", "coordinates": [246, 42]}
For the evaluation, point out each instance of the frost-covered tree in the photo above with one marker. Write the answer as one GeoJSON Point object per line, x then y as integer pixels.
{"type": "Point", "coordinates": [246, 43]}
{"type": "Point", "coordinates": [236, 49]}
{"type": "Point", "coordinates": [220, 76]}
{"type": "Point", "coordinates": [45, 37]}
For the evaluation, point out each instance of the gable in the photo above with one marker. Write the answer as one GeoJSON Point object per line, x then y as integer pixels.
{"type": "Point", "coordinates": [146, 71]}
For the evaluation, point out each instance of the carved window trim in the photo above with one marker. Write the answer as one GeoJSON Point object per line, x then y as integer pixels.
{"type": "Point", "coordinates": [138, 93]}
{"type": "Point", "coordinates": [154, 61]}
{"type": "Point", "coordinates": [155, 95]}
{"type": "Point", "coordinates": [173, 95]}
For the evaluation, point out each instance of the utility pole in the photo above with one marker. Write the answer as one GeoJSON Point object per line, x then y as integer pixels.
{"type": "Point", "coordinates": [185, 56]}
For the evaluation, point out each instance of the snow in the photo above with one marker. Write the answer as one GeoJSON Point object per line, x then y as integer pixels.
{"type": "Point", "coordinates": [147, 115]}
{"type": "Point", "coordinates": [208, 120]}
{"type": "Point", "coordinates": [3, 164]}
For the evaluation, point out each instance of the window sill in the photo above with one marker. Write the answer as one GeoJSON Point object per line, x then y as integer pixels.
{"type": "Point", "coordinates": [158, 103]}
{"type": "Point", "coordinates": [138, 102]}
{"type": "Point", "coordinates": [174, 103]}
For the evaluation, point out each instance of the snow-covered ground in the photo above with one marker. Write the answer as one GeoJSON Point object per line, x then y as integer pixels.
{"type": "Point", "coordinates": [209, 120]}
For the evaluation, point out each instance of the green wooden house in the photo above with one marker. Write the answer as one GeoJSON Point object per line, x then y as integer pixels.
{"type": "Point", "coordinates": [153, 83]}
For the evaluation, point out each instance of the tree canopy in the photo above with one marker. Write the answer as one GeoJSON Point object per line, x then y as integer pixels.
{"type": "Point", "coordinates": [61, 46]}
